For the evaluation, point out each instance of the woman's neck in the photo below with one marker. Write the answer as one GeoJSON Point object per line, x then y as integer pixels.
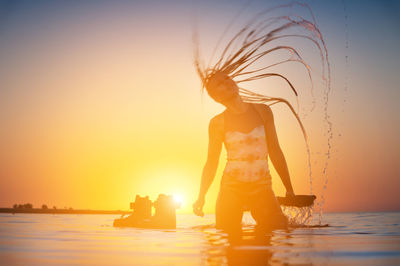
{"type": "Point", "coordinates": [237, 106]}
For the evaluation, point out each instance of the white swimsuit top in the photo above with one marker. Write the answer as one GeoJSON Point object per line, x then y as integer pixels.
{"type": "Point", "coordinates": [247, 156]}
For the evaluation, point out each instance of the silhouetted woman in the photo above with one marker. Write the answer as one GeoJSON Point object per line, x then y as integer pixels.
{"type": "Point", "coordinates": [248, 133]}
{"type": "Point", "coordinates": [246, 127]}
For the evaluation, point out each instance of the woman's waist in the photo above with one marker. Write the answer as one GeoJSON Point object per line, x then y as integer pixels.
{"type": "Point", "coordinates": [247, 171]}
{"type": "Point", "coordinates": [241, 182]}
{"type": "Point", "coordinates": [246, 164]}
{"type": "Point", "coordinates": [249, 158]}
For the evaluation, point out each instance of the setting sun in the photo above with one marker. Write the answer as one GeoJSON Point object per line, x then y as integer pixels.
{"type": "Point", "coordinates": [178, 199]}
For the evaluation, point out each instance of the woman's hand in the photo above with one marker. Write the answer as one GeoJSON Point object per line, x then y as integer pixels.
{"type": "Point", "coordinates": [290, 194]}
{"type": "Point", "coordinates": [198, 207]}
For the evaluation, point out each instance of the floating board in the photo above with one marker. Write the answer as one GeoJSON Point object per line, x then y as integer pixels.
{"type": "Point", "coordinates": [297, 201]}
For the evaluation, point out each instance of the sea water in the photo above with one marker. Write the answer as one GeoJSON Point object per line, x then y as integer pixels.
{"type": "Point", "coordinates": [350, 238]}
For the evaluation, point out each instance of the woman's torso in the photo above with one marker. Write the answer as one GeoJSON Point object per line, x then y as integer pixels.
{"type": "Point", "coordinates": [245, 143]}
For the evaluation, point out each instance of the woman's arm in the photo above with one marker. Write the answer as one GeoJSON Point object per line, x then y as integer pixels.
{"type": "Point", "coordinates": [275, 151]}
{"type": "Point", "coordinates": [214, 150]}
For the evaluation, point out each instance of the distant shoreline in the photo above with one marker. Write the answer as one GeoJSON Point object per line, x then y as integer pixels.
{"type": "Point", "coordinates": [60, 211]}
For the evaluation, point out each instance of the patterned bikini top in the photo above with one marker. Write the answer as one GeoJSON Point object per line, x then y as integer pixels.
{"type": "Point", "coordinates": [246, 146]}
{"type": "Point", "coordinates": [247, 154]}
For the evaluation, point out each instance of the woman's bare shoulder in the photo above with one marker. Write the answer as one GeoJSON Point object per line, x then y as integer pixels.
{"type": "Point", "coordinates": [263, 108]}
{"type": "Point", "coordinates": [217, 122]}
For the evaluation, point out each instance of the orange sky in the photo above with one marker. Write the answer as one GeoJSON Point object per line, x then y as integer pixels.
{"type": "Point", "coordinates": [100, 103]}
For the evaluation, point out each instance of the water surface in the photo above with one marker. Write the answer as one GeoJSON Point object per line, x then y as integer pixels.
{"type": "Point", "coordinates": [351, 238]}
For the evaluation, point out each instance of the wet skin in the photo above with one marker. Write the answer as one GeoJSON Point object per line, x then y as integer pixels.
{"type": "Point", "coordinates": [225, 91]}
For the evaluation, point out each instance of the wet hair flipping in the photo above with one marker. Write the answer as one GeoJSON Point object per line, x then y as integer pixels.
{"type": "Point", "coordinates": [253, 42]}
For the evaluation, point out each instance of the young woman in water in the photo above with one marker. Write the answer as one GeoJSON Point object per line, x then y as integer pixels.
{"type": "Point", "coordinates": [246, 127]}
{"type": "Point", "coordinates": [248, 133]}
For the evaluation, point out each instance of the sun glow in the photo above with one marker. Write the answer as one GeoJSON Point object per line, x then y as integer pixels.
{"type": "Point", "coordinates": [178, 198]}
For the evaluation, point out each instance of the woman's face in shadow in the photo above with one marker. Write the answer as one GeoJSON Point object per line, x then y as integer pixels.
{"type": "Point", "coordinates": [222, 88]}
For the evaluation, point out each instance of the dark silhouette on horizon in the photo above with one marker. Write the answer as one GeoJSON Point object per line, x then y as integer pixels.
{"type": "Point", "coordinates": [163, 218]}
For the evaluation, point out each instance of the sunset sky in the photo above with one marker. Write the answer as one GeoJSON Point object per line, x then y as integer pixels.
{"type": "Point", "coordinates": [100, 101]}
